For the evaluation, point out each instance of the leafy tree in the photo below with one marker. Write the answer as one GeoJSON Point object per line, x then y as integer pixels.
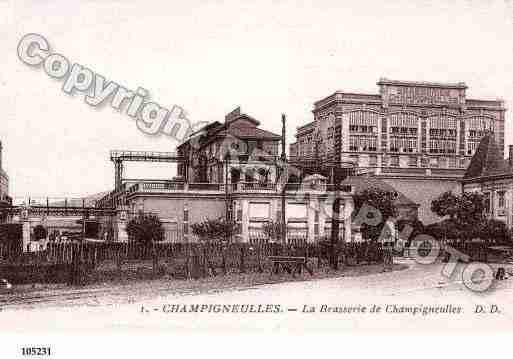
{"type": "Point", "coordinates": [466, 214]}
{"type": "Point", "coordinates": [380, 200]}
{"type": "Point", "coordinates": [447, 204]}
{"type": "Point", "coordinates": [471, 208]}
{"type": "Point", "coordinates": [145, 228]}
{"type": "Point", "coordinates": [467, 208]}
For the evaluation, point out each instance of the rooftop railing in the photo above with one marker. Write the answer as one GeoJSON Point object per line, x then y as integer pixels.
{"type": "Point", "coordinates": [240, 187]}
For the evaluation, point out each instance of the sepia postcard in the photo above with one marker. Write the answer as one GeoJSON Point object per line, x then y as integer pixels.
{"type": "Point", "coordinates": [236, 167]}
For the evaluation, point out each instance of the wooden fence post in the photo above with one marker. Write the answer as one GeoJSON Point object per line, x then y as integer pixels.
{"type": "Point", "coordinates": [118, 258]}
{"type": "Point", "coordinates": [155, 259]}
{"type": "Point", "coordinates": [223, 255]}
{"type": "Point", "coordinates": [204, 263]}
{"type": "Point", "coordinates": [242, 263]}
{"type": "Point", "coordinates": [188, 260]}
{"type": "Point", "coordinates": [259, 255]}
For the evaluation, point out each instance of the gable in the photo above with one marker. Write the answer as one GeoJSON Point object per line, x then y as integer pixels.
{"type": "Point", "coordinates": [487, 161]}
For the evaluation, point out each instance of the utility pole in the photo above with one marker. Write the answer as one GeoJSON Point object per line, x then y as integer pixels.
{"type": "Point", "coordinates": [335, 210]}
{"type": "Point", "coordinates": [284, 173]}
{"type": "Point", "coordinates": [229, 215]}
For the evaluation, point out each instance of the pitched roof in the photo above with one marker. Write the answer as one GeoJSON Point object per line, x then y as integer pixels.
{"type": "Point", "coordinates": [361, 183]}
{"type": "Point", "coordinates": [237, 124]}
{"type": "Point", "coordinates": [487, 161]}
{"type": "Point", "coordinates": [244, 131]}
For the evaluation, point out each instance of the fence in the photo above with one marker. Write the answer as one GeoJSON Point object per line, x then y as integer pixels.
{"type": "Point", "coordinates": [477, 251]}
{"type": "Point", "coordinates": [76, 262]}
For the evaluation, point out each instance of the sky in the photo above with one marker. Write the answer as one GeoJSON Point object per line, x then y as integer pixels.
{"type": "Point", "coordinates": [208, 57]}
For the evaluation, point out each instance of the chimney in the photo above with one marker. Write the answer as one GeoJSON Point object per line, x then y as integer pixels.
{"type": "Point", "coordinates": [510, 159]}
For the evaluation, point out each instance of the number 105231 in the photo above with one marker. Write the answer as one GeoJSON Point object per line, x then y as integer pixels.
{"type": "Point", "coordinates": [36, 351]}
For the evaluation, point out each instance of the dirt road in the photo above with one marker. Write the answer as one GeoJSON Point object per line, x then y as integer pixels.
{"type": "Point", "coordinates": [419, 297]}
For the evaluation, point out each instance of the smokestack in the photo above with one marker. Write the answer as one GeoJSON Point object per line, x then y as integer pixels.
{"type": "Point", "coordinates": [510, 159]}
{"type": "Point", "coordinates": [283, 121]}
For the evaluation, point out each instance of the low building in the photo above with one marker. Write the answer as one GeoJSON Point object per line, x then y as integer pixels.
{"type": "Point", "coordinates": [406, 208]}
{"type": "Point", "coordinates": [492, 175]}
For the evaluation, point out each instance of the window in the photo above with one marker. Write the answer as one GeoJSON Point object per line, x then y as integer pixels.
{"type": "Point", "coordinates": [394, 161]}
{"type": "Point", "coordinates": [373, 161]}
{"type": "Point", "coordinates": [501, 199]}
{"type": "Point", "coordinates": [354, 159]}
{"type": "Point", "coordinates": [412, 161]}
{"type": "Point", "coordinates": [487, 202]}
{"type": "Point", "coordinates": [259, 210]}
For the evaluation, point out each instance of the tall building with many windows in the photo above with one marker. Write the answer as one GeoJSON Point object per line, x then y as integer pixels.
{"type": "Point", "coordinates": [414, 133]}
{"type": "Point", "coordinates": [409, 128]}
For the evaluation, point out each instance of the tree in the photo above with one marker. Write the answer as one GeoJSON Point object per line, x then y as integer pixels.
{"type": "Point", "coordinates": [471, 208]}
{"type": "Point", "coordinates": [145, 228]}
{"type": "Point", "coordinates": [379, 200]}
{"type": "Point", "coordinates": [467, 208]}
{"type": "Point", "coordinates": [447, 204]}
{"type": "Point", "coordinates": [466, 214]}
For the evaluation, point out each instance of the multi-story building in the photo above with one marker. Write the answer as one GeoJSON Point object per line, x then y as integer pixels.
{"type": "Point", "coordinates": [230, 169]}
{"type": "Point", "coordinates": [418, 136]}
{"type": "Point", "coordinates": [5, 200]}
{"type": "Point", "coordinates": [237, 148]}
{"type": "Point", "coordinates": [4, 182]}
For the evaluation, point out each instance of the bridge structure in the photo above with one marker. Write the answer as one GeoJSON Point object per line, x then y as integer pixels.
{"type": "Point", "coordinates": [120, 156]}
{"type": "Point", "coordinates": [55, 214]}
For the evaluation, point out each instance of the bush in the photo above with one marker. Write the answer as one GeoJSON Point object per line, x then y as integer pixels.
{"type": "Point", "coordinates": [11, 232]}
{"type": "Point", "coordinates": [145, 228]}
{"type": "Point", "coordinates": [40, 232]}
{"type": "Point", "coordinates": [212, 230]}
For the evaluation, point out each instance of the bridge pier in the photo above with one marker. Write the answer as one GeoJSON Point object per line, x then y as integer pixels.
{"type": "Point", "coordinates": [120, 233]}
{"type": "Point", "coordinates": [25, 229]}
{"type": "Point", "coordinates": [118, 173]}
